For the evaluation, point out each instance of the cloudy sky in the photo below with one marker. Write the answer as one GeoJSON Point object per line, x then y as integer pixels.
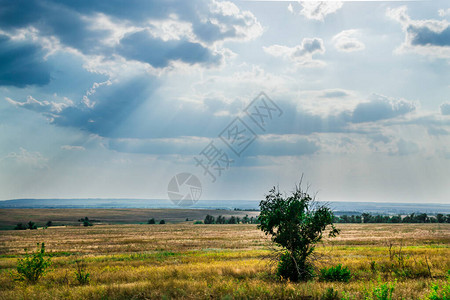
{"type": "Point", "coordinates": [114, 98]}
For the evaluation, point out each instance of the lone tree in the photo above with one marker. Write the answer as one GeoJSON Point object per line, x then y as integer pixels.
{"type": "Point", "coordinates": [296, 224]}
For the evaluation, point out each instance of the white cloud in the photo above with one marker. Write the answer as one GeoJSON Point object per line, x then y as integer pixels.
{"type": "Point", "coordinates": [301, 54]}
{"type": "Point", "coordinates": [291, 8]}
{"type": "Point", "coordinates": [425, 37]}
{"type": "Point", "coordinates": [444, 12]}
{"type": "Point", "coordinates": [232, 22]}
{"type": "Point", "coordinates": [24, 157]}
{"type": "Point", "coordinates": [171, 29]}
{"type": "Point", "coordinates": [347, 42]}
{"type": "Point", "coordinates": [318, 10]}
{"type": "Point", "coordinates": [73, 148]}
{"type": "Point", "coordinates": [45, 107]}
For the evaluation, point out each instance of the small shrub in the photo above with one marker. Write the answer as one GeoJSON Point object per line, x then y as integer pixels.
{"type": "Point", "coordinates": [81, 274]}
{"type": "Point", "coordinates": [20, 226]}
{"type": "Point", "coordinates": [86, 222]}
{"type": "Point", "coordinates": [438, 294]}
{"type": "Point", "coordinates": [198, 222]}
{"type": "Point", "coordinates": [33, 266]}
{"type": "Point", "coordinates": [31, 225]}
{"type": "Point", "coordinates": [336, 273]}
{"type": "Point", "coordinates": [382, 292]}
{"type": "Point", "coordinates": [151, 221]}
{"type": "Point", "coordinates": [49, 223]}
{"type": "Point", "coordinates": [330, 294]}
{"type": "Point", "coordinates": [373, 266]}
{"type": "Point", "coordinates": [162, 222]}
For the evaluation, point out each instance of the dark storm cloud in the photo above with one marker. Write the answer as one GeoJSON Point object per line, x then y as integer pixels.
{"type": "Point", "coordinates": [22, 63]}
{"type": "Point", "coordinates": [141, 46]}
{"type": "Point", "coordinates": [71, 23]}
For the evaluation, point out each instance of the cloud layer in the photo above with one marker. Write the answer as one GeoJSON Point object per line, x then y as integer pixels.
{"type": "Point", "coordinates": [427, 37]}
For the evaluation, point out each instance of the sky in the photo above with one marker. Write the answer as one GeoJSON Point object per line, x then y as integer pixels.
{"type": "Point", "coordinates": [112, 99]}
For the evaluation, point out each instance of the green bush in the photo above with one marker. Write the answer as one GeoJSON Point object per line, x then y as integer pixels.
{"type": "Point", "coordinates": [336, 273]}
{"type": "Point", "coordinates": [440, 294]}
{"type": "Point", "coordinates": [381, 292]}
{"type": "Point", "coordinates": [151, 221]}
{"type": "Point", "coordinates": [86, 223]}
{"type": "Point", "coordinates": [81, 274]}
{"type": "Point", "coordinates": [162, 222]}
{"type": "Point", "coordinates": [33, 266]}
{"type": "Point", "coordinates": [198, 222]}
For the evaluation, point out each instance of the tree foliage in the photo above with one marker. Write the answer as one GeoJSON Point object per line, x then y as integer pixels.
{"type": "Point", "coordinates": [209, 219]}
{"type": "Point", "coordinates": [296, 223]}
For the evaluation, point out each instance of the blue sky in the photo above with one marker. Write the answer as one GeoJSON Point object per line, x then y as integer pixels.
{"type": "Point", "coordinates": [113, 98]}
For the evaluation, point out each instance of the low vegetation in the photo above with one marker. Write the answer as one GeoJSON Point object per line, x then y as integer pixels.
{"type": "Point", "coordinates": [82, 276]}
{"type": "Point", "coordinates": [32, 266]}
{"type": "Point", "coordinates": [225, 262]}
{"type": "Point", "coordinates": [336, 273]}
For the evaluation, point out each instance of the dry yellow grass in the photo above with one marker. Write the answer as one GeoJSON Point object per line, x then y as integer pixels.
{"type": "Point", "coordinates": [218, 261]}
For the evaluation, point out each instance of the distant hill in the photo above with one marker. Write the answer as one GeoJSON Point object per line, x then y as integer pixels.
{"type": "Point", "coordinates": [339, 207]}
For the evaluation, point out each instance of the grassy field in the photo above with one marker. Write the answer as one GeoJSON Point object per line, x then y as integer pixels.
{"type": "Point", "coordinates": [10, 217]}
{"type": "Point", "coordinates": [223, 262]}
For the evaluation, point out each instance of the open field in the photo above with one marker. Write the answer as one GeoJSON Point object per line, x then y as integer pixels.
{"type": "Point", "coordinates": [222, 262]}
{"type": "Point", "coordinates": [10, 217]}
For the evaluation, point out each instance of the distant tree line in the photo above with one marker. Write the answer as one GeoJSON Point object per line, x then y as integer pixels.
{"type": "Point", "coordinates": [412, 218]}
{"type": "Point", "coordinates": [30, 225]}
{"type": "Point", "coordinates": [231, 220]}
{"type": "Point", "coordinates": [153, 221]}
